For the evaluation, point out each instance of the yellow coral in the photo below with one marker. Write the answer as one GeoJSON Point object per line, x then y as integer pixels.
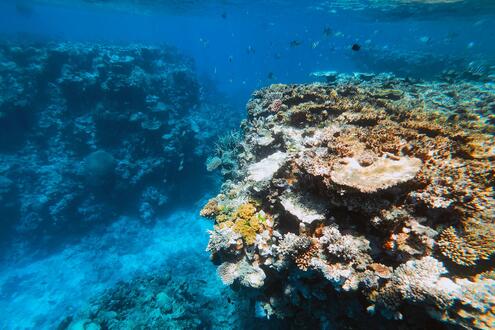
{"type": "Point", "coordinates": [245, 211]}
{"type": "Point", "coordinates": [245, 221]}
{"type": "Point", "coordinates": [247, 232]}
{"type": "Point", "coordinates": [222, 218]}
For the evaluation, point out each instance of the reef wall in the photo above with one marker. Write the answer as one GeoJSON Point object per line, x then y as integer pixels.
{"type": "Point", "coordinates": [92, 131]}
{"type": "Point", "coordinates": [364, 202]}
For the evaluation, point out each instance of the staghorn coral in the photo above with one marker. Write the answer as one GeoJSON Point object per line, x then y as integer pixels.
{"type": "Point", "coordinates": [358, 180]}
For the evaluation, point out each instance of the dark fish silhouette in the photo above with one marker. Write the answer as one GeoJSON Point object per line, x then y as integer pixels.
{"type": "Point", "coordinates": [270, 75]}
{"type": "Point", "coordinates": [224, 15]}
{"type": "Point", "coordinates": [23, 8]}
{"type": "Point", "coordinates": [251, 50]}
{"type": "Point", "coordinates": [295, 43]}
{"type": "Point", "coordinates": [327, 31]}
{"type": "Point", "coordinates": [356, 47]}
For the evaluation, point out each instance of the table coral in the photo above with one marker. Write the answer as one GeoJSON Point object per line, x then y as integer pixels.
{"type": "Point", "coordinates": [373, 198]}
{"type": "Point", "coordinates": [375, 175]}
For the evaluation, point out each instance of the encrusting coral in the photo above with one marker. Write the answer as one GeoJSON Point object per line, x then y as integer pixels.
{"type": "Point", "coordinates": [477, 242]}
{"type": "Point", "coordinates": [364, 192]}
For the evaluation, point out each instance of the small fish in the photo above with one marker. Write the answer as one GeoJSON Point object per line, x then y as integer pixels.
{"type": "Point", "coordinates": [425, 39]}
{"type": "Point", "coordinates": [251, 50]}
{"type": "Point", "coordinates": [315, 44]}
{"type": "Point", "coordinates": [356, 47]}
{"type": "Point", "coordinates": [229, 300]}
{"type": "Point", "coordinates": [295, 43]}
{"type": "Point", "coordinates": [231, 58]}
{"type": "Point", "coordinates": [204, 42]}
{"type": "Point", "coordinates": [224, 15]}
{"type": "Point", "coordinates": [327, 31]}
{"type": "Point", "coordinates": [270, 75]}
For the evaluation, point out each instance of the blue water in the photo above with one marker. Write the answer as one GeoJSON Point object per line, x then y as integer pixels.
{"type": "Point", "coordinates": [235, 48]}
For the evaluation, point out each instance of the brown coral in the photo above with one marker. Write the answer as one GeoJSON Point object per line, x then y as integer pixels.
{"type": "Point", "coordinates": [303, 260]}
{"type": "Point", "coordinates": [477, 242]}
{"type": "Point", "coordinates": [211, 209]}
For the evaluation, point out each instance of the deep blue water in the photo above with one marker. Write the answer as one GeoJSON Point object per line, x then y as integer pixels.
{"type": "Point", "coordinates": [240, 44]}
{"type": "Point", "coordinates": [233, 49]}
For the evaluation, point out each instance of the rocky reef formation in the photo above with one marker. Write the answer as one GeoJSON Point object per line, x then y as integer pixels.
{"type": "Point", "coordinates": [364, 201]}
{"type": "Point", "coordinates": [91, 131]}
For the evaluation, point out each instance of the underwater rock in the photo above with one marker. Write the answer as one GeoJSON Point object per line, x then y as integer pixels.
{"type": "Point", "coordinates": [369, 199]}
{"type": "Point", "coordinates": [99, 167]}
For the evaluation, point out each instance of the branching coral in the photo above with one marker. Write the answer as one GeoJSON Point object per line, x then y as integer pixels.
{"type": "Point", "coordinates": [419, 282]}
{"type": "Point", "coordinates": [344, 247]}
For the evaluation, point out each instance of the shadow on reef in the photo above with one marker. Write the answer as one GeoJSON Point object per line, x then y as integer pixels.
{"type": "Point", "coordinates": [92, 131]}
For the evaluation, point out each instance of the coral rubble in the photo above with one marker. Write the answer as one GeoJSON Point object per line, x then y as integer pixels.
{"type": "Point", "coordinates": [369, 193]}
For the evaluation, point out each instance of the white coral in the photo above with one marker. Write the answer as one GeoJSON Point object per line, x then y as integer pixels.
{"type": "Point", "coordinates": [266, 168]}
{"type": "Point", "coordinates": [221, 239]}
{"type": "Point", "coordinates": [247, 274]}
{"type": "Point", "coordinates": [345, 247]}
{"type": "Point", "coordinates": [420, 281]}
{"type": "Point", "coordinates": [292, 245]}
{"type": "Point", "coordinates": [382, 174]}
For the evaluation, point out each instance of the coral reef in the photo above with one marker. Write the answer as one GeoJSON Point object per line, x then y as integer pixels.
{"type": "Point", "coordinates": [86, 129]}
{"type": "Point", "coordinates": [377, 194]}
{"type": "Point", "coordinates": [169, 300]}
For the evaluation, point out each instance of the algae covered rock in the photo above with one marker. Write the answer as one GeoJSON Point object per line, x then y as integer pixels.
{"type": "Point", "coordinates": [374, 205]}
